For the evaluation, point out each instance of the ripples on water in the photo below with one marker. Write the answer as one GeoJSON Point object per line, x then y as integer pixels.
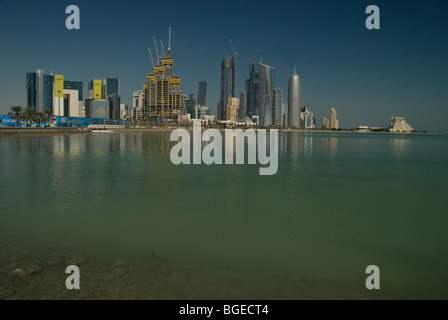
{"type": "Point", "coordinates": [146, 229]}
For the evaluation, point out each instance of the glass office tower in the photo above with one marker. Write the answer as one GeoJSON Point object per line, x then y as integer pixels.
{"type": "Point", "coordinates": [267, 75]}
{"type": "Point", "coordinates": [202, 93]}
{"type": "Point", "coordinates": [39, 86]}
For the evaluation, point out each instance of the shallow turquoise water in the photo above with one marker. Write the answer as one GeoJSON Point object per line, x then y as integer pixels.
{"type": "Point", "coordinates": [148, 229]}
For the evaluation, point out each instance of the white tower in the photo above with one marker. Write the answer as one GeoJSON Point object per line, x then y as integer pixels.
{"type": "Point", "coordinates": [294, 100]}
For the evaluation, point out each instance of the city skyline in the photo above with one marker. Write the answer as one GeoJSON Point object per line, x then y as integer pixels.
{"type": "Point", "coordinates": [368, 76]}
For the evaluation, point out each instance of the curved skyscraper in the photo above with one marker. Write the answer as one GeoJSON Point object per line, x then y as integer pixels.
{"type": "Point", "coordinates": [267, 75]}
{"type": "Point", "coordinates": [294, 101]}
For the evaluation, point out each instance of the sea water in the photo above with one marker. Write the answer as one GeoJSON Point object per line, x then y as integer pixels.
{"type": "Point", "coordinates": [140, 227]}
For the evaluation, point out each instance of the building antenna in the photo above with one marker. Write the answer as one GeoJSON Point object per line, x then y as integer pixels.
{"type": "Point", "coordinates": [294, 69]}
{"type": "Point", "coordinates": [150, 55]}
{"type": "Point", "coordinates": [169, 40]}
{"type": "Point", "coordinates": [157, 51]}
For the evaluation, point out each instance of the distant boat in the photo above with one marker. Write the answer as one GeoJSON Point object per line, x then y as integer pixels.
{"type": "Point", "coordinates": [103, 131]}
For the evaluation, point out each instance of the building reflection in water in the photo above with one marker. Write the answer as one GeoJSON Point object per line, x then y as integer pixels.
{"type": "Point", "coordinates": [304, 144]}
{"type": "Point", "coordinates": [331, 144]}
{"type": "Point", "coordinates": [399, 147]}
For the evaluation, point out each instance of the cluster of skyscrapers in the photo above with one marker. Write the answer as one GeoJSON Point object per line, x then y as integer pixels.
{"type": "Point", "coordinates": [263, 103]}
{"type": "Point", "coordinates": [65, 97]}
{"type": "Point", "coordinates": [162, 100]}
{"type": "Point", "coordinates": [332, 122]}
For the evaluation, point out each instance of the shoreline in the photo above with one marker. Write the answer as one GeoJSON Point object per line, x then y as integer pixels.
{"type": "Point", "coordinates": [13, 131]}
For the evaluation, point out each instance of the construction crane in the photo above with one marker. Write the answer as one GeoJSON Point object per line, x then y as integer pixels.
{"type": "Point", "coordinates": [157, 51]}
{"type": "Point", "coordinates": [253, 56]}
{"type": "Point", "coordinates": [150, 55]}
{"type": "Point", "coordinates": [163, 50]}
{"type": "Point", "coordinates": [235, 53]}
{"type": "Point", "coordinates": [169, 41]}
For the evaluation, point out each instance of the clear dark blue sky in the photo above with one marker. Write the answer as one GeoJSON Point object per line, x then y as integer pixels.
{"type": "Point", "coordinates": [367, 76]}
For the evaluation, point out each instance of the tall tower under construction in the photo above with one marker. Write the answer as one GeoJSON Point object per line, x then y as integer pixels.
{"type": "Point", "coordinates": [227, 85]}
{"type": "Point", "coordinates": [163, 94]}
{"type": "Point", "coordinates": [228, 75]}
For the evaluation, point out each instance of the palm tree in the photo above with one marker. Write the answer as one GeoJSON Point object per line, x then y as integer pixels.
{"type": "Point", "coordinates": [29, 115]}
{"type": "Point", "coordinates": [38, 118]}
{"type": "Point", "coordinates": [48, 115]}
{"type": "Point", "coordinates": [16, 113]}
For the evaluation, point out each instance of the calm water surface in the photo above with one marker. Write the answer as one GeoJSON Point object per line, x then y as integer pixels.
{"type": "Point", "coordinates": [140, 227]}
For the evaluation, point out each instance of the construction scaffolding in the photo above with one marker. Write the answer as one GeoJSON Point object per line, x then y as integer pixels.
{"type": "Point", "coordinates": [163, 95]}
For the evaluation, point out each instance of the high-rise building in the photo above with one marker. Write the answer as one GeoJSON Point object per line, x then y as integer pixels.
{"type": "Point", "coordinates": [334, 122]}
{"type": "Point", "coordinates": [190, 105]}
{"type": "Point", "coordinates": [74, 85]}
{"type": "Point", "coordinates": [68, 104]}
{"type": "Point", "coordinates": [67, 97]}
{"type": "Point", "coordinates": [95, 89]}
{"type": "Point", "coordinates": [202, 93]}
{"type": "Point", "coordinates": [107, 89]}
{"type": "Point", "coordinates": [242, 112]}
{"type": "Point", "coordinates": [111, 92]}
{"type": "Point", "coordinates": [252, 91]}
{"type": "Point", "coordinates": [110, 86]}
{"type": "Point", "coordinates": [325, 123]}
{"type": "Point", "coordinates": [284, 114]}
{"type": "Point", "coordinates": [39, 87]}
{"type": "Point", "coordinates": [114, 105]}
{"type": "Point", "coordinates": [138, 99]}
{"type": "Point", "coordinates": [294, 101]}
{"type": "Point", "coordinates": [232, 109]}
{"type": "Point", "coordinates": [277, 107]}
{"type": "Point", "coordinates": [227, 85]}
{"type": "Point", "coordinates": [306, 118]}
{"type": "Point", "coordinates": [163, 95]}
{"type": "Point", "coordinates": [200, 111]}
{"type": "Point", "coordinates": [138, 103]}
{"type": "Point", "coordinates": [124, 111]}
{"type": "Point", "coordinates": [267, 76]}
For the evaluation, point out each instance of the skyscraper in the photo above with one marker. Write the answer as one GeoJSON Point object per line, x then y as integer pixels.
{"type": "Point", "coordinates": [334, 122]}
{"type": "Point", "coordinates": [138, 103]}
{"type": "Point", "coordinates": [294, 101]}
{"type": "Point", "coordinates": [39, 87]}
{"type": "Point", "coordinates": [111, 92]}
{"type": "Point", "coordinates": [74, 85]}
{"type": "Point", "coordinates": [227, 85]}
{"type": "Point", "coordinates": [232, 109]}
{"type": "Point", "coordinates": [95, 89]}
{"type": "Point", "coordinates": [306, 118]}
{"type": "Point", "coordinates": [252, 91]}
{"type": "Point", "coordinates": [202, 93]}
{"type": "Point", "coordinates": [110, 86]}
{"type": "Point", "coordinates": [107, 89]}
{"type": "Point", "coordinates": [267, 76]}
{"type": "Point", "coordinates": [325, 123]}
{"type": "Point", "coordinates": [242, 112]}
{"type": "Point", "coordinates": [277, 107]}
{"type": "Point", "coordinates": [163, 95]}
